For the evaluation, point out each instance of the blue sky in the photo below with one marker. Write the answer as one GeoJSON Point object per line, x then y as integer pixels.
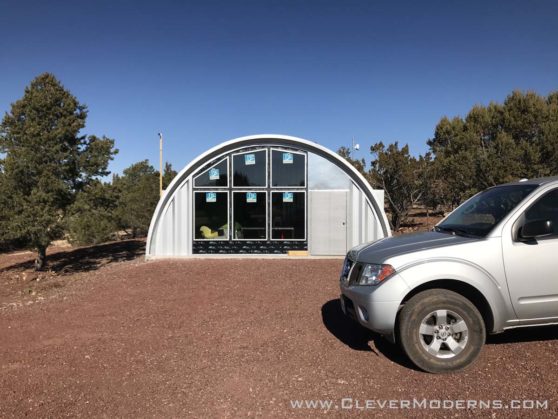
{"type": "Point", "coordinates": [203, 72]}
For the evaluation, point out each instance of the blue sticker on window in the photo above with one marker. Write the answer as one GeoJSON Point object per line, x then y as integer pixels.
{"type": "Point", "coordinates": [211, 197]}
{"type": "Point", "coordinates": [287, 197]}
{"type": "Point", "coordinates": [251, 197]}
{"type": "Point", "coordinates": [287, 158]}
{"type": "Point", "coordinates": [249, 159]}
{"type": "Point", "coordinates": [213, 174]}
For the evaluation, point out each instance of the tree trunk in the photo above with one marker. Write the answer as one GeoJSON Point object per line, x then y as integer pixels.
{"type": "Point", "coordinates": [41, 258]}
{"type": "Point", "coordinates": [395, 221]}
{"type": "Point", "coordinates": [427, 218]}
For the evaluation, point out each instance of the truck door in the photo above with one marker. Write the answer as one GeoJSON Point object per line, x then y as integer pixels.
{"type": "Point", "coordinates": [532, 266]}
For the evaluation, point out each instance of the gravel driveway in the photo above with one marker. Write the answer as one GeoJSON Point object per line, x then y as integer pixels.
{"type": "Point", "coordinates": [231, 338]}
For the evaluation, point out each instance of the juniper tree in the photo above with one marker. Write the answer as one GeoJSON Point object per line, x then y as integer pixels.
{"type": "Point", "coordinates": [495, 144]}
{"type": "Point", "coordinates": [168, 175]}
{"type": "Point", "coordinates": [138, 189]}
{"type": "Point", "coordinates": [400, 175]}
{"type": "Point", "coordinates": [46, 162]}
{"type": "Point", "coordinates": [92, 217]}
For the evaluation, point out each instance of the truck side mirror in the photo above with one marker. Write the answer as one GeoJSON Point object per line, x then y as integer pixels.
{"type": "Point", "coordinates": [535, 229]}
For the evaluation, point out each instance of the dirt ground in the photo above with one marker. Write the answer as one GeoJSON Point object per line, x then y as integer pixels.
{"type": "Point", "coordinates": [106, 334]}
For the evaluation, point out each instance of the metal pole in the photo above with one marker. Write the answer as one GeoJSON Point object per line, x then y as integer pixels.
{"type": "Point", "coordinates": [160, 164]}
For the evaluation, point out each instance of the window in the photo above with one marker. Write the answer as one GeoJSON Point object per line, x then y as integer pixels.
{"type": "Point", "coordinates": [211, 214]}
{"type": "Point", "coordinates": [249, 215]}
{"type": "Point", "coordinates": [215, 176]}
{"type": "Point", "coordinates": [250, 169]}
{"type": "Point", "coordinates": [288, 215]}
{"type": "Point", "coordinates": [288, 168]}
{"type": "Point", "coordinates": [545, 209]}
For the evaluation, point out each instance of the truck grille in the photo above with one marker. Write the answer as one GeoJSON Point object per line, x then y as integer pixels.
{"type": "Point", "coordinates": [355, 273]}
{"type": "Point", "coordinates": [346, 270]}
{"type": "Point", "coordinates": [350, 272]}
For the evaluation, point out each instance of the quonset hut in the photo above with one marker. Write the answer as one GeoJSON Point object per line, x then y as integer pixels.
{"type": "Point", "coordinates": [266, 194]}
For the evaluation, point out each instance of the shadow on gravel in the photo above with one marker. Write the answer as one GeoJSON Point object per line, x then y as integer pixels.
{"type": "Point", "coordinates": [85, 259]}
{"type": "Point", "coordinates": [357, 337]}
{"type": "Point", "coordinates": [529, 334]}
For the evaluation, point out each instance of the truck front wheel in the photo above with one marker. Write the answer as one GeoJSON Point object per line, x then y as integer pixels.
{"type": "Point", "coordinates": [441, 331]}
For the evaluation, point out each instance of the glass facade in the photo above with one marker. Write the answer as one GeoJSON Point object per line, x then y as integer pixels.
{"type": "Point", "coordinates": [256, 197]}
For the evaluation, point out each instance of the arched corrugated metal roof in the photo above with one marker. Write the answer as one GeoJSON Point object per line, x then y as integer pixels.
{"type": "Point", "coordinates": [264, 140]}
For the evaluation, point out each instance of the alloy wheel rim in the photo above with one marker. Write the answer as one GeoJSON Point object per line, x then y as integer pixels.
{"type": "Point", "coordinates": [443, 334]}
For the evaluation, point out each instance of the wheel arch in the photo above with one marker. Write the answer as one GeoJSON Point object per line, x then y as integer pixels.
{"type": "Point", "coordinates": [464, 289]}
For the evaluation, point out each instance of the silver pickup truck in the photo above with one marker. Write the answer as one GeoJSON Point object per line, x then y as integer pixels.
{"type": "Point", "coordinates": [490, 265]}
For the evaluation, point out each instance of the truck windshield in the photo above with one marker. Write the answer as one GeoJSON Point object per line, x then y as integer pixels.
{"type": "Point", "coordinates": [481, 213]}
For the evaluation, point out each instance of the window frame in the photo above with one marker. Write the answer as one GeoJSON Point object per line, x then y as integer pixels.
{"type": "Point", "coordinates": [284, 150]}
{"type": "Point", "coordinates": [228, 216]}
{"type": "Point", "coordinates": [303, 191]}
{"type": "Point", "coordinates": [233, 154]}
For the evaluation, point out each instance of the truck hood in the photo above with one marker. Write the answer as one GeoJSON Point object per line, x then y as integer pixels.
{"type": "Point", "coordinates": [383, 249]}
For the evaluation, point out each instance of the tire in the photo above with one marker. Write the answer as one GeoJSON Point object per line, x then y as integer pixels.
{"type": "Point", "coordinates": [441, 331]}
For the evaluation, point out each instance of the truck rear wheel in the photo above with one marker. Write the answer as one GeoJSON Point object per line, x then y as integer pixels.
{"type": "Point", "coordinates": [441, 331]}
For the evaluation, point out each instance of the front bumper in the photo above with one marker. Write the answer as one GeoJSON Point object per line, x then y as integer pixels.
{"type": "Point", "coordinates": [374, 307]}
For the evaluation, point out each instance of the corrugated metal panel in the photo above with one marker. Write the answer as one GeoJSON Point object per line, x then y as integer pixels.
{"type": "Point", "coordinates": [377, 229]}
{"type": "Point", "coordinates": [355, 217]}
{"type": "Point", "coordinates": [173, 233]}
{"type": "Point", "coordinates": [363, 223]}
{"type": "Point", "coordinates": [182, 222]}
{"type": "Point", "coordinates": [168, 229]}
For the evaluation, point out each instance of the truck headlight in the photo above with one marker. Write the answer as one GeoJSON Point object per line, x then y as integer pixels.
{"type": "Point", "coordinates": [374, 274]}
